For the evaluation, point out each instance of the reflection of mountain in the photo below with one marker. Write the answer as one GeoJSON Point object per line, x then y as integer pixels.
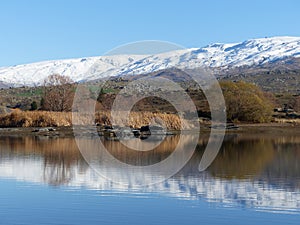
{"type": "Point", "coordinates": [257, 173]}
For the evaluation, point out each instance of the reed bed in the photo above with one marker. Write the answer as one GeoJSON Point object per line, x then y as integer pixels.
{"type": "Point", "coordinates": [19, 118]}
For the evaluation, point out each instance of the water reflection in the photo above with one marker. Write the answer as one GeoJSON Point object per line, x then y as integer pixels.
{"type": "Point", "coordinates": [256, 172]}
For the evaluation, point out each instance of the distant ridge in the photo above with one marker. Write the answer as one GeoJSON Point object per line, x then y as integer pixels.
{"type": "Point", "coordinates": [253, 53]}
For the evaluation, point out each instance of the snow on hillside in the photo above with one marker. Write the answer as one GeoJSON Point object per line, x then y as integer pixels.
{"type": "Point", "coordinates": [250, 52]}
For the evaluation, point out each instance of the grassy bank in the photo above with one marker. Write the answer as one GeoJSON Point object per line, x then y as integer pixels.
{"type": "Point", "coordinates": [19, 118]}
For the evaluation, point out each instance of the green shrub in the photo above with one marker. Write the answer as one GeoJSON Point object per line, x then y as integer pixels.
{"type": "Point", "coordinates": [246, 102]}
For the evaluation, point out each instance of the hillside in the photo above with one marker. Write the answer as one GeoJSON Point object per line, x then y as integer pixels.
{"type": "Point", "coordinates": [224, 59]}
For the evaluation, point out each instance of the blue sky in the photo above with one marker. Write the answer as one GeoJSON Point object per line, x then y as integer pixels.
{"type": "Point", "coordinates": [35, 30]}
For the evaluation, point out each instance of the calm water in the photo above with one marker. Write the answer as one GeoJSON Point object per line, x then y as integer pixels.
{"type": "Point", "coordinates": [253, 180]}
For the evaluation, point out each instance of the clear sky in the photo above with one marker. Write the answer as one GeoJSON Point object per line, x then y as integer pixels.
{"type": "Point", "coordinates": [36, 30]}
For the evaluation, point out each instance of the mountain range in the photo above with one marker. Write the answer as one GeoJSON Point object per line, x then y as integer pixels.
{"type": "Point", "coordinates": [263, 54]}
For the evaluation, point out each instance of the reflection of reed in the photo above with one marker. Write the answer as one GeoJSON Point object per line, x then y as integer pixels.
{"type": "Point", "coordinates": [142, 158]}
{"type": "Point", "coordinates": [287, 139]}
{"type": "Point", "coordinates": [240, 157]}
{"type": "Point", "coordinates": [134, 157]}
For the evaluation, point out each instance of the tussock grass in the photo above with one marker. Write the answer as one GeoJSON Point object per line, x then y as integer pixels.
{"type": "Point", "coordinates": [283, 120]}
{"type": "Point", "coordinates": [138, 119]}
{"type": "Point", "coordinates": [19, 118]}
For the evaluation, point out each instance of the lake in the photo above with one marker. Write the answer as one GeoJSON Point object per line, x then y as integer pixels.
{"type": "Point", "coordinates": [255, 179]}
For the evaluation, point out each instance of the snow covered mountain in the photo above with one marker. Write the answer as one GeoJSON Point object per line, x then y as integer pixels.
{"type": "Point", "coordinates": [252, 52]}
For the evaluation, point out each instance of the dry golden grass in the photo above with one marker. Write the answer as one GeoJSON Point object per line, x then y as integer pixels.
{"type": "Point", "coordinates": [283, 120]}
{"type": "Point", "coordinates": [19, 118]}
{"type": "Point", "coordinates": [138, 119]}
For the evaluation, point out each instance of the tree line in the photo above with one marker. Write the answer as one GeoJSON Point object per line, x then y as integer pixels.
{"type": "Point", "coordinates": [244, 101]}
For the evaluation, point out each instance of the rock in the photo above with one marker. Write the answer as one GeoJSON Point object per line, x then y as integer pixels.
{"type": "Point", "coordinates": [4, 110]}
{"type": "Point", "coordinates": [44, 129]}
{"type": "Point", "coordinates": [145, 128]}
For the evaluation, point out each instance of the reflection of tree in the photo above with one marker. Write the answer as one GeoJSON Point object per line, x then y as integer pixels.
{"type": "Point", "coordinates": [284, 171]}
{"type": "Point", "coordinates": [58, 164]}
{"type": "Point", "coordinates": [242, 158]}
{"type": "Point", "coordinates": [272, 159]}
{"type": "Point", "coordinates": [60, 155]}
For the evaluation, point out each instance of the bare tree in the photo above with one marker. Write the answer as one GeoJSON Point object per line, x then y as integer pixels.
{"type": "Point", "coordinates": [58, 93]}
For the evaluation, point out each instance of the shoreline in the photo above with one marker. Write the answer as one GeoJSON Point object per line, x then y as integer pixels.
{"type": "Point", "coordinates": [67, 131]}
